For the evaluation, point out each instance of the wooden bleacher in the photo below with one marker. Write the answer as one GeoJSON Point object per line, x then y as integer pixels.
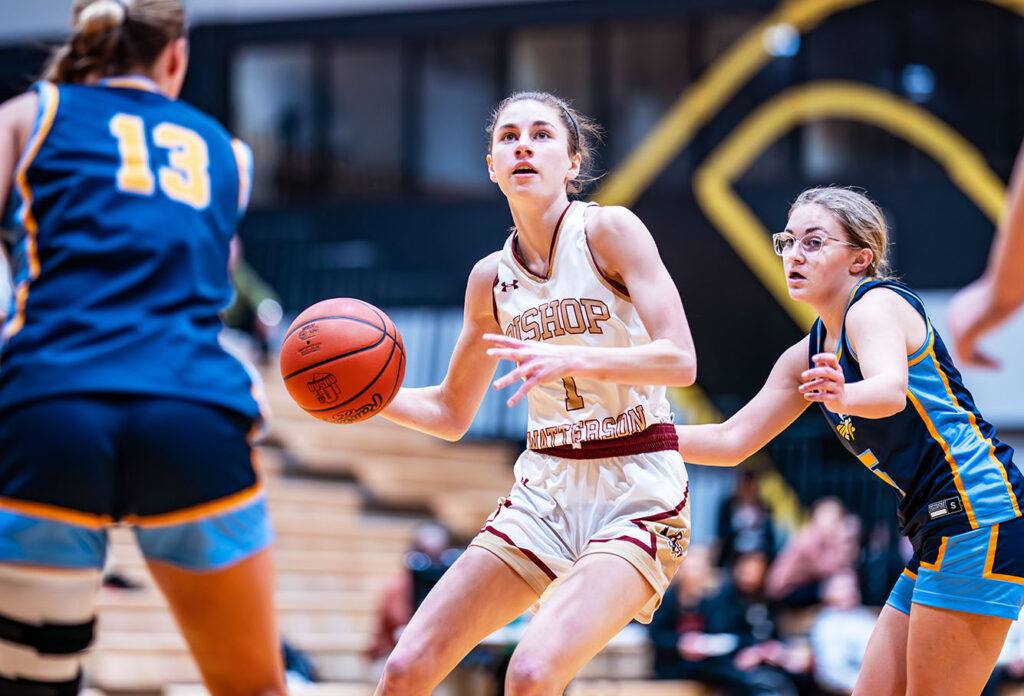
{"type": "Point", "coordinates": [456, 483]}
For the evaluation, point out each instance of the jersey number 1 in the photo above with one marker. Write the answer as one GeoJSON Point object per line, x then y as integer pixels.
{"type": "Point", "coordinates": [185, 179]}
{"type": "Point", "coordinates": [573, 400]}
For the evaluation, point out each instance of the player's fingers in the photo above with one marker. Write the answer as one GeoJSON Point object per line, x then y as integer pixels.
{"type": "Point", "coordinates": [511, 376]}
{"type": "Point", "coordinates": [505, 353]}
{"type": "Point", "coordinates": [501, 340]}
{"type": "Point", "coordinates": [817, 386]}
{"type": "Point", "coordinates": [520, 393]}
{"type": "Point", "coordinates": [826, 360]}
{"type": "Point", "coordinates": [979, 358]}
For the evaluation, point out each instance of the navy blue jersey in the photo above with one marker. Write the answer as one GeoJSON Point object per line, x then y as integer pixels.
{"type": "Point", "coordinates": [950, 472]}
{"type": "Point", "coordinates": [125, 202]}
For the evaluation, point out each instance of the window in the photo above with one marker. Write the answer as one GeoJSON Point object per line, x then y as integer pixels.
{"type": "Point", "coordinates": [554, 60]}
{"type": "Point", "coordinates": [459, 89]}
{"type": "Point", "coordinates": [364, 131]}
{"type": "Point", "coordinates": [272, 103]}
{"type": "Point", "coordinates": [649, 68]}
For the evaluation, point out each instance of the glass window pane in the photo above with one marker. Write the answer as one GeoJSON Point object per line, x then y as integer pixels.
{"type": "Point", "coordinates": [366, 118]}
{"type": "Point", "coordinates": [272, 106]}
{"type": "Point", "coordinates": [649, 68]}
{"type": "Point", "coordinates": [459, 89]}
{"type": "Point", "coordinates": [554, 60]}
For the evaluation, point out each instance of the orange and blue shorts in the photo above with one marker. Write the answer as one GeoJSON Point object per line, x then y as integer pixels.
{"type": "Point", "coordinates": [980, 571]}
{"type": "Point", "coordinates": [179, 473]}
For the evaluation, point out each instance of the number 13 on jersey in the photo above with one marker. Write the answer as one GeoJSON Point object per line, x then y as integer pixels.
{"type": "Point", "coordinates": [185, 179]}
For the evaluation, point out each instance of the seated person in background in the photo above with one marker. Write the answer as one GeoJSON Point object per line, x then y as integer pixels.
{"type": "Point", "coordinates": [426, 561]}
{"type": "Point", "coordinates": [679, 613]}
{"type": "Point", "coordinates": [255, 308]}
{"type": "Point", "coordinates": [827, 544]}
{"type": "Point", "coordinates": [744, 522]}
{"type": "Point", "coordinates": [840, 634]}
{"type": "Point", "coordinates": [738, 649]}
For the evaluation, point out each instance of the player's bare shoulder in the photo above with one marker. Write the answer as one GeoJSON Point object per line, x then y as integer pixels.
{"type": "Point", "coordinates": [479, 297]}
{"type": "Point", "coordinates": [485, 270]}
{"type": "Point", "coordinates": [17, 116]}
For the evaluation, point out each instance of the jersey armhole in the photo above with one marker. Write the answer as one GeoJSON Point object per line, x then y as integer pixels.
{"type": "Point", "coordinates": [243, 158]}
{"type": "Point", "coordinates": [494, 301]}
{"type": "Point", "coordinates": [613, 285]}
{"type": "Point", "coordinates": [915, 302]}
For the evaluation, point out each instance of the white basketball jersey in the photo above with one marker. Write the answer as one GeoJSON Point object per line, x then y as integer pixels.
{"type": "Point", "coordinates": [575, 305]}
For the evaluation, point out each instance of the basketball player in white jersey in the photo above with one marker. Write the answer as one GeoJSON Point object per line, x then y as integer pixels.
{"type": "Point", "coordinates": [598, 519]}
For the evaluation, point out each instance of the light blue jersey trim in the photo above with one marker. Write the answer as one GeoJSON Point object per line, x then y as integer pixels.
{"type": "Point", "coordinates": [983, 479]}
{"type": "Point", "coordinates": [25, 539]}
{"type": "Point", "coordinates": [212, 543]}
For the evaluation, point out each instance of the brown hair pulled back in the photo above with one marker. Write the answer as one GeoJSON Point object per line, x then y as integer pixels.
{"type": "Point", "coordinates": [114, 37]}
{"type": "Point", "coordinates": [583, 132]}
{"type": "Point", "coordinates": [861, 218]}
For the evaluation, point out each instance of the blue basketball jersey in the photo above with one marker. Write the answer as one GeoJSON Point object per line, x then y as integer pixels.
{"type": "Point", "coordinates": [125, 202]}
{"type": "Point", "coordinates": [949, 471]}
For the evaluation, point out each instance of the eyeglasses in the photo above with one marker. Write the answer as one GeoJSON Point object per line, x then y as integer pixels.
{"type": "Point", "coordinates": [783, 242]}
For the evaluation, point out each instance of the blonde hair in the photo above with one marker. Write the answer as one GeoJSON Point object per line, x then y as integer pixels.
{"type": "Point", "coordinates": [583, 132]}
{"type": "Point", "coordinates": [112, 37]}
{"type": "Point", "coordinates": [861, 218]}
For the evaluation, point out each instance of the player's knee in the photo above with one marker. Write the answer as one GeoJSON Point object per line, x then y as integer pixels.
{"type": "Point", "coordinates": [47, 620]}
{"type": "Point", "coordinates": [405, 672]}
{"type": "Point", "coordinates": [531, 675]}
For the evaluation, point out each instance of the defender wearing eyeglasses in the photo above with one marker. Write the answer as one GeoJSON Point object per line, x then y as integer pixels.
{"type": "Point", "coordinates": [890, 391]}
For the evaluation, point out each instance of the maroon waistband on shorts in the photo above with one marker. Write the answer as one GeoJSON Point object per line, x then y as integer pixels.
{"type": "Point", "coordinates": [656, 438]}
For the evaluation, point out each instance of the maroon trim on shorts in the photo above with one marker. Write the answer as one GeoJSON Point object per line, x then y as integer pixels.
{"type": "Point", "coordinates": [657, 438]}
{"type": "Point", "coordinates": [526, 552]}
{"type": "Point", "coordinates": [652, 550]}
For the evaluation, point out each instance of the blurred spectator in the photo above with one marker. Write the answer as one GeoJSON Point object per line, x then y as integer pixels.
{"type": "Point", "coordinates": [299, 667]}
{"type": "Point", "coordinates": [826, 545]}
{"type": "Point", "coordinates": [679, 613]}
{"type": "Point", "coordinates": [840, 634]}
{"type": "Point", "coordinates": [255, 308]}
{"type": "Point", "coordinates": [738, 649]}
{"type": "Point", "coordinates": [744, 522]}
{"type": "Point", "coordinates": [425, 563]}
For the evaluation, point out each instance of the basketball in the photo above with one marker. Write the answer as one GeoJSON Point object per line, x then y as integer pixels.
{"type": "Point", "coordinates": [342, 360]}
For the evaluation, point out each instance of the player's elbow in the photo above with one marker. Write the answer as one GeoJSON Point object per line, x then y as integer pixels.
{"type": "Point", "coordinates": [452, 433]}
{"type": "Point", "coordinates": [685, 372]}
{"type": "Point", "coordinates": [895, 402]}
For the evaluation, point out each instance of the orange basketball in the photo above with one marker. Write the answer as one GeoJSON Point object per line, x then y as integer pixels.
{"type": "Point", "coordinates": [342, 360]}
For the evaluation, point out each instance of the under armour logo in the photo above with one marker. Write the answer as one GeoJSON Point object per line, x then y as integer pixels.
{"type": "Point", "coordinates": [514, 285]}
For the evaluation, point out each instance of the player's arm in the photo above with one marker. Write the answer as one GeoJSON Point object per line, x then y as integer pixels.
{"type": "Point", "coordinates": [999, 292]}
{"type": "Point", "coordinates": [625, 251]}
{"type": "Point", "coordinates": [772, 409]}
{"type": "Point", "coordinates": [448, 409]}
{"type": "Point", "coordinates": [17, 116]}
{"type": "Point", "coordinates": [880, 326]}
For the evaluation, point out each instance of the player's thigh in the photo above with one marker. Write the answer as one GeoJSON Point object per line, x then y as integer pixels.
{"type": "Point", "coordinates": [227, 618]}
{"type": "Point", "coordinates": [952, 652]}
{"type": "Point", "coordinates": [883, 671]}
{"type": "Point", "coordinates": [476, 596]}
{"type": "Point", "coordinates": [599, 596]}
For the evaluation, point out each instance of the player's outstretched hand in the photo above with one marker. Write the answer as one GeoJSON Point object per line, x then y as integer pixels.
{"type": "Point", "coordinates": [536, 363]}
{"type": "Point", "coordinates": [825, 382]}
{"type": "Point", "coordinates": [969, 319]}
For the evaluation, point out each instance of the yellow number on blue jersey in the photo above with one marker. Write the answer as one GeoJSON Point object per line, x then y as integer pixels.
{"type": "Point", "coordinates": [187, 177]}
